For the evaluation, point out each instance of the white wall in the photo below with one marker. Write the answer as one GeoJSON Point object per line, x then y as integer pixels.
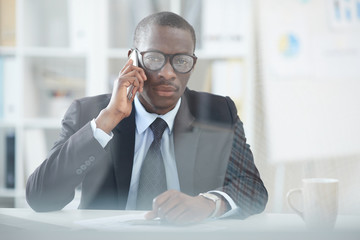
{"type": "Point", "coordinates": [307, 96]}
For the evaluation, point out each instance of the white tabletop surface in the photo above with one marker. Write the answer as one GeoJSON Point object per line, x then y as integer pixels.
{"type": "Point", "coordinates": [92, 224]}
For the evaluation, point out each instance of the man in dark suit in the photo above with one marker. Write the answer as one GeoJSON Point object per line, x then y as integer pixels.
{"type": "Point", "coordinates": [203, 164]}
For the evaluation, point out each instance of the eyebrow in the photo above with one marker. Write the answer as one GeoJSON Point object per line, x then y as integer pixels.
{"type": "Point", "coordinates": [156, 50]}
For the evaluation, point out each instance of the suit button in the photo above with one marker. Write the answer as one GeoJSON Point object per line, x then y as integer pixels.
{"type": "Point", "coordinates": [87, 163]}
{"type": "Point", "coordinates": [92, 158]}
{"type": "Point", "coordinates": [78, 171]}
{"type": "Point", "coordinates": [83, 167]}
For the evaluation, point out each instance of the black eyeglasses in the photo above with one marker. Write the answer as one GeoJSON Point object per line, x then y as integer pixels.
{"type": "Point", "coordinates": [155, 60]}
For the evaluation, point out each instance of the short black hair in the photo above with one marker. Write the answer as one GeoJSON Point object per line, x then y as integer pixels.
{"type": "Point", "coordinates": [169, 19]}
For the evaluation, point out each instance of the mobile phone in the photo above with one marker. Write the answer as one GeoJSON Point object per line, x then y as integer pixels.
{"type": "Point", "coordinates": [134, 57]}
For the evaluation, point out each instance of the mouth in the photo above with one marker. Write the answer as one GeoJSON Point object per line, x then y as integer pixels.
{"type": "Point", "coordinates": [165, 90]}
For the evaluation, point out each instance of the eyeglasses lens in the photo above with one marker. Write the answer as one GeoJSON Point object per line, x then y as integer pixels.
{"type": "Point", "coordinates": [181, 63]}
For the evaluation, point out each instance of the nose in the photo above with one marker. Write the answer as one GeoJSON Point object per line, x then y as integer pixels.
{"type": "Point", "coordinates": [167, 71]}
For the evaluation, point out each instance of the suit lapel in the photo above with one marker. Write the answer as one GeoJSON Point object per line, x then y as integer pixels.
{"type": "Point", "coordinates": [186, 139]}
{"type": "Point", "coordinates": [122, 152]}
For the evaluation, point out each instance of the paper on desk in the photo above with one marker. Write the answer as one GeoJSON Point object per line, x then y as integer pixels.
{"type": "Point", "coordinates": [136, 221]}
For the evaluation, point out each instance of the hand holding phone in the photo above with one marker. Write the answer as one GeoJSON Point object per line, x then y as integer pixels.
{"type": "Point", "coordinates": [134, 58]}
{"type": "Point", "coordinates": [109, 117]}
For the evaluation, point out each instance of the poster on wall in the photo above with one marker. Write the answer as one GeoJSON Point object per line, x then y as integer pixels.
{"type": "Point", "coordinates": [310, 72]}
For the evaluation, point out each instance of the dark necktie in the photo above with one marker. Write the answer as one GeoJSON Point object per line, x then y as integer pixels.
{"type": "Point", "coordinates": [152, 180]}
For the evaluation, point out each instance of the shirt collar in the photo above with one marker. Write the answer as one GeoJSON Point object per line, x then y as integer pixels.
{"type": "Point", "coordinates": [144, 119]}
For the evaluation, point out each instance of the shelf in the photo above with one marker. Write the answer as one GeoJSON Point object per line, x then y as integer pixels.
{"type": "Point", "coordinates": [53, 52]}
{"type": "Point", "coordinates": [117, 53]}
{"type": "Point", "coordinates": [44, 123]}
{"type": "Point", "coordinates": [5, 123]}
{"type": "Point", "coordinates": [7, 51]}
{"type": "Point", "coordinates": [11, 193]}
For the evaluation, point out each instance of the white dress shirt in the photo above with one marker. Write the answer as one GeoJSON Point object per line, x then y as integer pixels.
{"type": "Point", "coordinates": [143, 140]}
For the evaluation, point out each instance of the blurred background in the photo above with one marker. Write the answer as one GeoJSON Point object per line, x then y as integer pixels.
{"type": "Point", "coordinates": [291, 66]}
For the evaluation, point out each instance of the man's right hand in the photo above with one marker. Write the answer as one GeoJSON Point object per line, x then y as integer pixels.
{"type": "Point", "coordinates": [120, 106]}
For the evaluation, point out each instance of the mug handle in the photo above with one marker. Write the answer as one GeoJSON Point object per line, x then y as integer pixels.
{"type": "Point", "coordinates": [288, 198]}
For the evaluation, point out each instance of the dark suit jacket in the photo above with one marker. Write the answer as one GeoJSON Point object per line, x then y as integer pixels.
{"type": "Point", "coordinates": [210, 152]}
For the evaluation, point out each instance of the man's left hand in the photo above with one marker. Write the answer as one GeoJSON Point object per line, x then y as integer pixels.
{"type": "Point", "coordinates": [176, 207]}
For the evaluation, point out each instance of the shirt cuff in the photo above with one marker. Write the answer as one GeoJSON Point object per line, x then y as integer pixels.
{"type": "Point", "coordinates": [102, 137]}
{"type": "Point", "coordinates": [231, 202]}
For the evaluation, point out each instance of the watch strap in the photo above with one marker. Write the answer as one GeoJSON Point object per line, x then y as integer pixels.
{"type": "Point", "coordinates": [215, 199]}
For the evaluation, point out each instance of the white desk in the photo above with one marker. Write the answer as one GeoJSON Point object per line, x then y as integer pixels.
{"type": "Point", "coordinates": [72, 224]}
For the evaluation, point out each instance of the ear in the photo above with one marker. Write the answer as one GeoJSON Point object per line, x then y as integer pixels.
{"type": "Point", "coordinates": [130, 51]}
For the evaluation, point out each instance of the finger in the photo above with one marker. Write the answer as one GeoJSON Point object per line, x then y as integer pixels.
{"type": "Point", "coordinates": [151, 215]}
{"type": "Point", "coordinates": [127, 74]}
{"type": "Point", "coordinates": [174, 213]}
{"type": "Point", "coordinates": [173, 200]}
{"type": "Point", "coordinates": [127, 81]}
{"type": "Point", "coordinates": [161, 199]}
{"type": "Point", "coordinates": [171, 206]}
{"type": "Point", "coordinates": [187, 217]}
{"type": "Point", "coordinates": [132, 86]}
{"type": "Point", "coordinates": [130, 70]}
{"type": "Point", "coordinates": [122, 85]}
{"type": "Point", "coordinates": [155, 206]}
{"type": "Point", "coordinates": [125, 68]}
{"type": "Point", "coordinates": [130, 66]}
{"type": "Point", "coordinates": [134, 90]}
{"type": "Point", "coordinates": [142, 72]}
{"type": "Point", "coordinates": [136, 85]}
{"type": "Point", "coordinates": [140, 80]}
{"type": "Point", "coordinates": [135, 81]}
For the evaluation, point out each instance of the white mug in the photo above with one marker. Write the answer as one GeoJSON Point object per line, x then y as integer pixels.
{"type": "Point", "coordinates": [320, 202]}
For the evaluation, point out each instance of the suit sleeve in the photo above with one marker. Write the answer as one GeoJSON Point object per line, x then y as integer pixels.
{"type": "Point", "coordinates": [52, 185]}
{"type": "Point", "coordinates": [242, 179]}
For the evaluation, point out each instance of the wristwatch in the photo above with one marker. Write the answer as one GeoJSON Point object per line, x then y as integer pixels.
{"type": "Point", "coordinates": [215, 199]}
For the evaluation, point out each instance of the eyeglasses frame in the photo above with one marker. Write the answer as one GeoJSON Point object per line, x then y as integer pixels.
{"type": "Point", "coordinates": [167, 56]}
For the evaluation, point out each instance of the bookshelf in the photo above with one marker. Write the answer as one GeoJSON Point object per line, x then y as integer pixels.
{"type": "Point", "coordinates": [61, 50]}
